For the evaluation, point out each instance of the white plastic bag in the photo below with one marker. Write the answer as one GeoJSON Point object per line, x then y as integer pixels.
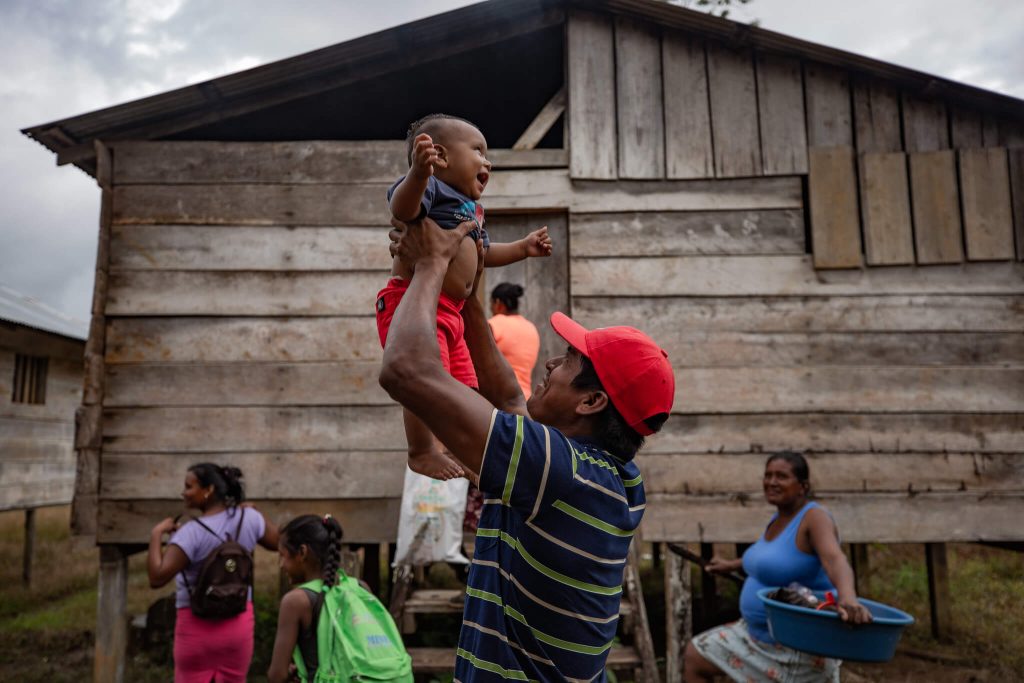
{"type": "Point", "coordinates": [430, 523]}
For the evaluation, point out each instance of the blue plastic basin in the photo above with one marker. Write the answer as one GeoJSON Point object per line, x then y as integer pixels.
{"type": "Point", "coordinates": [824, 633]}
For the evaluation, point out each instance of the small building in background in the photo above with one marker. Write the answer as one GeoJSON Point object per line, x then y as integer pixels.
{"type": "Point", "coordinates": [41, 364]}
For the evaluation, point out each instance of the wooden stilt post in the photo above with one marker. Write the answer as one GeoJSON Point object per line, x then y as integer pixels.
{"type": "Point", "coordinates": [678, 617]}
{"type": "Point", "coordinates": [708, 588]}
{"type": "Point", "coordinates": [642, 632]}
{"type": "Point", "coordinates": [30, 547]}
{"type": "Point", "coordinates": [861, 566]}
{"type": "Point", "coordinates": [938, 591]}
{"type": "Point", "coordinates": [371, 567]}
{"type": "Point", "coordinates": [111, 616]}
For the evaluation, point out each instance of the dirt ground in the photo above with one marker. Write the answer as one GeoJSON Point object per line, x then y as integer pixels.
{"type": "Point", "coordinates": [46, 632]}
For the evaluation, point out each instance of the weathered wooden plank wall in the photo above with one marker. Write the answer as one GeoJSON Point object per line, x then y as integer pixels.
{"type": "Point", "coordinates": [904, 383]}
{"type": "Point", "coordinates": [727, 111]}
{"type": "Point", "coordinates": [238, 323]}
{"type": "Point", "coordinates": [37, 458]}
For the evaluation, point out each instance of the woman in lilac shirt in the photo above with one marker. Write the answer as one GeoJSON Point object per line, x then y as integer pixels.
{"type": "Point", "coordinates": [208, 649]}
{"type": "Point", "coordinates": [800, 544]}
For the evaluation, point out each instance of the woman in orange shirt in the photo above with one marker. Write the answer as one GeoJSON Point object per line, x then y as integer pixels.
{"type": "Point", "coordinates": [516, 337]}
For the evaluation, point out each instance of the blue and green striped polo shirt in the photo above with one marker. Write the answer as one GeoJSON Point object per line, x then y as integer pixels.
{"type": "Point", "coordinates": [544, 588]}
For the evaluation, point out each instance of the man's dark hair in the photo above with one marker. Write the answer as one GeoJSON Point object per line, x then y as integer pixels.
{"type": "Point", "coordinates": [613, 432]}
{"type": "Point", "coordinates": [429, 124]}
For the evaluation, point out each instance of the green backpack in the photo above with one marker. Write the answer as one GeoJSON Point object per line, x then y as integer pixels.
{"type": "Point", "coordinates": [356, 638]}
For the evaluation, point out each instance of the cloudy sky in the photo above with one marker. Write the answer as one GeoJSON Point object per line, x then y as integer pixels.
{"type": "Point", "coordinates": [66, 57]}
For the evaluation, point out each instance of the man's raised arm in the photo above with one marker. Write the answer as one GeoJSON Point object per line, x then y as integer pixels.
{"type": "Point", "coordinates": [497, 381]}
{"type": "Point", "coordinates": [412, 373]}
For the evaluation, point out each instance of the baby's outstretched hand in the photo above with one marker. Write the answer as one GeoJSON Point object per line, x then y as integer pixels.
{"type": "Point", "coordinates": [424, 156]}
{"type": "Point", "coordinates": [538, 243]}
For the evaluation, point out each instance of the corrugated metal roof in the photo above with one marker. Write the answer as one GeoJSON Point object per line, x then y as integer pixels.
{"type": "Point", "coordinates": [180, 110]}
{"type": "Point", "coordinates": [19, 308]}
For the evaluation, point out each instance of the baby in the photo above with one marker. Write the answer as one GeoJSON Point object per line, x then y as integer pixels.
{"type": "Point", "coordinates": [448, 171]}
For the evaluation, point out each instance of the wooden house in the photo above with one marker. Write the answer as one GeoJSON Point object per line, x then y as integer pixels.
{"type": "Point", "coordinates": [829, 247]}
{"type": "Point", "coordinates": [41, 360]}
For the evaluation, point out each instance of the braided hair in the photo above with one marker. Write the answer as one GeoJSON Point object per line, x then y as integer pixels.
{"type": "Point", "coordinates": [226, 482]}
{"type": "Point", "coordinates": [322, 535]}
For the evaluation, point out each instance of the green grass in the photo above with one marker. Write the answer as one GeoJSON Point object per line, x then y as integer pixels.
{"type": "Point", "coordinates": [46, 633]}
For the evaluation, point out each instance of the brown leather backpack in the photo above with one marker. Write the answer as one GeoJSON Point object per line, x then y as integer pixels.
{"type": "Point", "coordinates": [225, 577]}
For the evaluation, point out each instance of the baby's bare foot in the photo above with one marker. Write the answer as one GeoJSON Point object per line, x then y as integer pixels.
{"type": "Point", "coordinates": [436, 465]}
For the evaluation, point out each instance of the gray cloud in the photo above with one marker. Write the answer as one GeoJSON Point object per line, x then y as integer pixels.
{"type": "Point", "coordinates": [64, 57]}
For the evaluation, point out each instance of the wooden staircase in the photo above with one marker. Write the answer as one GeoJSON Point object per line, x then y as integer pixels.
{"type": "Point", "coordinates": [636, 660]}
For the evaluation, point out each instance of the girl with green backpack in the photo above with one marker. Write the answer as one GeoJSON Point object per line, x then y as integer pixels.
{"type": "Point", "coordinates": [329, 628]}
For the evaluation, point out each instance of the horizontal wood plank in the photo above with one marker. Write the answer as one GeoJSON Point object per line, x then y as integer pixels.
{"type": "Point", "coordinates": [704, 474]}
{"type": "Point", "coordinates": [371, 520]}
{"type": "Point", "coordinates": [689, 348]}
{"type": "Point", "coordinates": [780, 276]}
{"type": "Point", "coordinates": [149, 340]}
{"type": "Point", "coordinates": [55, 489]}
{"type": "Point", "coordinates": [849, 389]}
{"type": "Point", "coordinates": [185, 293]}
{"type": "Point", "coordinates": [307, 161]}
{"type": "Point", "coordinates": [277, 476]}
{"type": "Point", "coordinates": [37, 429]}
{"type": "Point", "coordinates": [162, 162]}
{"type": "Point", "coordinates": [841, 433]}
{"type": "Point", "coordinates": [202, 247]}
{"type": "Point", "coordinates": [542, 190]}
{"type": "Point", "coordinates": [876, 518]}
{"type": "Point", "coordinates": [252, 204]}
{"type": "Point", "coordinates": [238, 384]}
{"type": "Point", "coordinates": [678, 233]}
{"type": "Point", "coordinates": [257, 428]}
{"type": "Point", "coordinates": [666, 318]}
{"type": "Point", "coordinates": [365, 205]}
{"type": "Point", "coordinates": [33, 451]}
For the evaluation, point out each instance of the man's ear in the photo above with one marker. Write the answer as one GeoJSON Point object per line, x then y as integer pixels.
{"type": "Point", "coordinates": [442, 155]}
{"type": "Point", "coordinates": [592, 403]}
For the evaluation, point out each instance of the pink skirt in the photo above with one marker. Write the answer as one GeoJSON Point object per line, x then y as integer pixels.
{"type": "Point", "coordinates": [206, 650]}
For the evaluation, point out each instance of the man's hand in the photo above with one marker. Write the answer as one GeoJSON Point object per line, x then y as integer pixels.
{"type": "Point", "coordinates": [538, 243]}
{"type": "Point", "coordinates": [423, 240]}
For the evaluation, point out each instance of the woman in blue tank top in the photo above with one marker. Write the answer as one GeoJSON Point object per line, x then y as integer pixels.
{"type": "Point", "coordinates": [801, 544]}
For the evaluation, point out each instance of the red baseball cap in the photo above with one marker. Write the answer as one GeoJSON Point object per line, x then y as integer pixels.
{"type": "Point", "coordinates": [633, 369]}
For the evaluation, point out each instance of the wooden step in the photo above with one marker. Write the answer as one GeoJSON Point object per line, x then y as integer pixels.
{"type": "Point", "coordinates": [442, 659]}
{"type": "Point", "coordinates": [448, 601]}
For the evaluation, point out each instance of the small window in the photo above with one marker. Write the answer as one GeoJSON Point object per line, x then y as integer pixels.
{"type": "Point", "coordinates": [29, 379]}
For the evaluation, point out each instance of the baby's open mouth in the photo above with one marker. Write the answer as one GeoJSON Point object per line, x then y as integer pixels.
{"type": "Point", "coordinates": [483, 177]}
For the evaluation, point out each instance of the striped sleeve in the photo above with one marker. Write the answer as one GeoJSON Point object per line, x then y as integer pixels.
{"type": "Point", "coordinates": [516, 460]}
